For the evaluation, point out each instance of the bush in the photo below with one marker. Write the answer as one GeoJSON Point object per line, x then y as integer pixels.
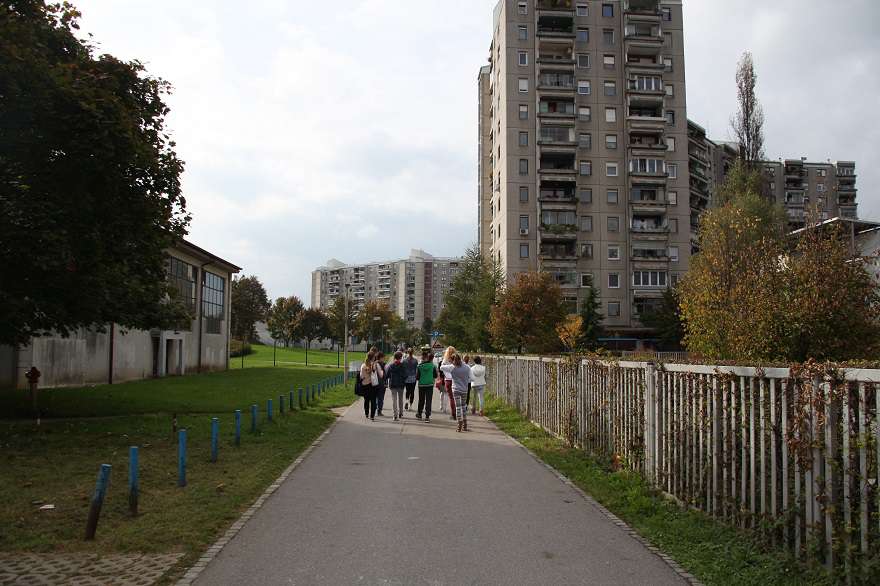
{"type": "Point", "coordinates": [237, 348]}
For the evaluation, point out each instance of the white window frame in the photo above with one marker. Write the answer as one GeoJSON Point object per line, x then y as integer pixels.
{"type": "Point", "coordinates": [582, 10]}
{"type": "Point", "coordinates": [586, 58]}
{"type": "Point", "coordinates": [523, 7]}
{"type": "Point", "coordinates": [608, 197]}
{"type": "Point", "coordinates": [584, 87]}
{"type": "Point", "coordinates": [672, 198]}
{"type": "Point", "coordinates": [523, 85]}
{"type": "Point", "coordinates": [612, 169]}
{"type": "Point", "coordinates": [672, 170]}
{"type": "Point", "coordinates": [673, 254]}
{"type": "Point", "coordinates": [609, 61]}
{"type": "Point", "coordinates": [522, 32]}
{"type": "Point", "coordinates": [611, 115]}
{"type": "Point", "coordinates": [670, 90]}
{"type": "Point", "coordinates": [614, 252]}
{"type": "Point", "coordinates": [589, 113]}
{"type": "Point", "coordinates": [522, 58]}
{"type": "Point", "coordinates": [617, 275]}
{"type": "Point", "coordinates": [670, 143]}
{"type": "Point", "coordinates": [585, 165]}
{"type": "Point", "coordinates": [586, 280]}
{"type": "Point", "coordinates": [524, 246]}
{"type": "Point", "coordinates": [611, 141]}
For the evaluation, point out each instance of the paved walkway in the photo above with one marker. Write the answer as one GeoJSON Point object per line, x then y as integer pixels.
{"type": "Point", "coordinates": [83, 569]}
{"type": "Point", "coordinates": [415, 503]}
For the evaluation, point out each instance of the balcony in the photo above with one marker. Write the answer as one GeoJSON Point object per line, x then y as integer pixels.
{"type": "Point", "coordinates": [558, 251]}
{"type": "Point", "coordinates": [648, 85]}
{"type": "Point", "coordinates": [643, 32]}
{"type": "Point", "coordinates": [556, 53]}
{"type": "Point", "coordinates": [559, 232]}
{"type": "Point", "coordinates": [556, 163]}
{"type": "Point", "coordinates": [556, 81]}
{"type": "Point", "coordinates": [649, 198]}
{"type": "Point", "coordinates": [650, 255]}
{"type": "Point", "coordinates": [556, 26]}
{"type": "Point", "coordinates": [563, 192]}
{"type": "Point", "coordinates": [648, 225]}
{"type": "Point", "coordinates": [645, 58]}
{"type": "Point", "coordinates": [556, 109]}
{"type": "Point", "coordinates": [555, 5]}
{"type": "Point", "coordinates": [646, 7]}
{"type": "Point", "coordinates": [557, 135]}
{"type": "Point", "coordinates": [846, 199]}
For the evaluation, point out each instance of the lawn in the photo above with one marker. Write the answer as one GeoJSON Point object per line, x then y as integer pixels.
{"type": "Point", "coordinates": [57, 462]}
{"type": "Point", "coordinates": [267, 356]}
{"type": "Point", "coordinates": [713, 552]}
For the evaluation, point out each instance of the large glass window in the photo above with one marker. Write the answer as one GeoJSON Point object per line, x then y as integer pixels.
{"type": "Point", "coordinates": [213, 292]}
{"type": "Point", "coordinates": [181, 277]}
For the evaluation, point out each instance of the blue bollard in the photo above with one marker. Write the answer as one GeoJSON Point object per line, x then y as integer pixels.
{"type": "Point", "coordinates": [181, 457]}
{"type": "Point", "coordinates": [215, 437]}
{"type": "Point", "coordinates": [269, 410]}
{"type": "Point", "coordinates": [300, 398]}
{"type": "Point", "coordinates": [253, 419]}
{"type": "Point", "coordinates": [97, 501]}
{"type": "Point", "coordinates": [238, 427]}
{"type": "Point", "coordinates": [133, 480]}
{"type": "Point", "coordinates": [290, 403]}
{"type": "Point", "coordinates": [281, 404]}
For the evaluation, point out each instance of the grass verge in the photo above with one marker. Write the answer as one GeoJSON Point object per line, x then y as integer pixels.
{"type": "Point", "coordinates": [267, 356]}
{"type": "Point", "coordinates": [711, 551]}
{"type": "Point", "coordinates": [57, 462]}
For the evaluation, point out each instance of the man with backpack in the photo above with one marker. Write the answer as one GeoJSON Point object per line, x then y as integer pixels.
{"type": "Point", "coordinates": [395, 374]}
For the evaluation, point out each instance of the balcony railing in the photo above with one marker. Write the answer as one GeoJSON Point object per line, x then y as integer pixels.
{"type": "Point", "coordinates": [557, 135]}
{"type": "Point", "coordinates": [556, 81]}
{"type": "Point", "coordinates": [555, 5]}
{"type": "Point", "coordinates": [640, 227]}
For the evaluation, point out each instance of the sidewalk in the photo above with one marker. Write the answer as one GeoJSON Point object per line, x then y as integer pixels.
{"type": "Point", "coordinates": [415, 503]}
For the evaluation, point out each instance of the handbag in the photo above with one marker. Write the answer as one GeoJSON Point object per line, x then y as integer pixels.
{"type": "Point", "coordinates": [358, 386]}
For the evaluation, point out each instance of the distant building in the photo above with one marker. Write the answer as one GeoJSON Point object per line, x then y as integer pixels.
{"type": "Point", "coordinates": [863, 237]}
{"type": "Point", "coordinates": [90, 357]}
{"type": "Point", "coordinates": [414, 288]}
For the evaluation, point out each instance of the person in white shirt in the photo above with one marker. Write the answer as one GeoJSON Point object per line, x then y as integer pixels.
{"type": "Point", "coordinates": [478, 380]}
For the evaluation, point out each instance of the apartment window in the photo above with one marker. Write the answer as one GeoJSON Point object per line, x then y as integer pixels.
{"type": "Point", "coordinates": [583, 10]}
{"type": "Point", "coordinates": [523, 32]}
{"type": "Point", "coordinates": [614, 280]}
{"type": "Point", "coordinates": [213, 292]}
{"type": "Point", "coordinates": [670, 91]}
{"type": "Point", "coordinates": [585, 140]}
{"type": "Point", "coordinates": [523, 194]}
{"type": "Point", "coordinates": [667, 14]}
{"type": "Point", "coordinates": [523, 251]}
{"type": "Point", "coordinates": [613, 252]}
{"type": "Point", "coordinates": [610, 114]}
{"type": "Point", "coordinates": [772, 186]}
{"type": "Point", "coordinates": [820, 187]}
{"type": "Point", "coordinates": [822, 172]}
{"type": "Point", "coordinates": [613, 196]}
{"type": "Point", "coordinates": [583, 61]}
{"type": "Point", "coordinates": [586, 223]}
{"type": "Point", "coordinates": [584, 87]}
{"type": "Point", "coordinates": [608, 36]}
{"type": "Point", "coordinates": [523, 85]}
{"type": "Point", "coordinates": [610, 88]}
{"type": "Point", "coordinates": [523, 139]}
{"type": "Point", "coordinates": [611, 169]}
{"type": "Point", "coordinates": [608, 10]}
{"type": "Point", "coordinates": [523, 112]}
{"type": "Point", "coordinates": [523, 7]}
{"type": "Point", "coordinates": [587, 279]}
{"type": "Point", "coordinates": [524, 223]}
{"type": "Point", "coordinates": [611, 141]}
{"type": "Point", "coordinates": [523, 57]}
{"type": "Point", "coordinates": [667, 40]}
{"type": "Point", "coordinates": [523, 166]}
{"type": "Point", "coordinates": [673, 225]}
{"type": "Point", "coordinates": [613, 306]}
{"type": "Point", "coordinates": [583, 35]}
{"type": "Point", "coordinates": [667, 63]}
{"type": "Point", "coordinates": [608, 61]}
{"type": "Point", "coordinates": [672, 170]}
{"type": "Point", "coordinates": [587, 250]}
{"type": "Point", "coordinates": [613, 224]}
{"type": "Point", "coordinates": [673, 198]}
{"type": "Point", "coordinates": [585, 168]}
{"type": "Point", "coordinates": [649, 278]}
{"type": "Point", "coordinates": [584, 113]}
{"type": "Point", "coordinates": [673, 253]}
{"type": "Point", "coordinates": [670, 117]}
{"type": "Point", "coordinates": [585, 195]}
{"type": "Point", "coordinates": [670, 143]}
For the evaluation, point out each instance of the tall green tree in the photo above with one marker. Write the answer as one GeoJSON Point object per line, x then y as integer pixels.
{"type": "Point", "coordinates": [468, 303]}
{"type": "Point", "coordinates": [748, 123]}
{"type": "Point", "coordinates": [591, 321]}
{"type": "Point", "coordinates": [666, 322]}
{"type": "Point", "coordinates": [313, 326]}
{"type": "Point", "coordinates": [336, 320]}
{"type": "Point", "coordinates": [371, 319]}
{"type": "Point", "coordinates": [528, 313]}
{"type": "Point", "coordinates": [90, 194]}
{"type": "Point", "coordinates": [285, 320]}
{"type": "Point", "coordinates": [250, 304]}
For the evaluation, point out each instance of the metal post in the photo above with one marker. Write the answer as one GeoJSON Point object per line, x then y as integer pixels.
{"type": "Point", "coordinates": [253, 419]}
{"type": "Point", "coordinates": [290, 400]}
{"type": "Point", "coordinates": [269, 410]}
{"type": "Point", "coordinates": [650, 422]}
{"type": "Point", "coordinates": [215, 438]}
{"type": "Point", "coordinates": [300, 392]}
{"type": "Point", "coordinates": [133, 481]}
{"type": "Point", "coordinates": [181, 457]}
{"type": "Point", "coordinates": [97, 501]}
{"type": "Point", "coordinates": [281, 404]}
{"type": "Point", "coordinates": [238, 427]}
{"type": "Point", "coordinates": [345, 340]}
{"type": "Point", "coordinates": [274, 352]}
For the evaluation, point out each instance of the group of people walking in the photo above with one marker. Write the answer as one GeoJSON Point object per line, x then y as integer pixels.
{"type": "Point", "coordinates": [452, 375]}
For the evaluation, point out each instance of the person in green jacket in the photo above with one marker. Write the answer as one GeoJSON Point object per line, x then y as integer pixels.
{"type": "Point", "coordinates": [427, 375]}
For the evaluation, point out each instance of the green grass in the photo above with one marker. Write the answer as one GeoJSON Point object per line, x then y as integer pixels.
{"type": "Point", "coordinates": [715, 553]}
{"type": "Point", "coordinates": [263, 356]}
{"type": "Point", "coordinates": [57, 462]}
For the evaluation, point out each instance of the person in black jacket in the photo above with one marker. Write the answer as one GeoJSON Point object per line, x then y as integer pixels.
{"type": "Point", "coordinates": [395, 374]}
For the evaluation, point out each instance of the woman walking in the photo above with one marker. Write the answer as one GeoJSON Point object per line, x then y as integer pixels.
{"type": "Point", "coordinates": [383, 383]}
{"type": "Point", "coordinates": [369, 383]}
{"type": "Point", "coordinates": [447, 378]}
{"type": "Point", "coordinates": [395, 374]}
{"type": "Point", "coordinates": [461, 377]}
{"type": "Point", "coordinates": [412, 375]}
{"type": "Point", "coordinates": [478, 379]}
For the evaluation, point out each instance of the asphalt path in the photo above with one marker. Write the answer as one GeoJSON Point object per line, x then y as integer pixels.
{"type": "Point", "coordinates": [415, 503]}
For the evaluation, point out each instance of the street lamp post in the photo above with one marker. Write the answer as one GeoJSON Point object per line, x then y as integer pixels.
{"type": "Point", "coordinates": [376, 320]}
{"type": "Point", "coordinates": [345, 338]}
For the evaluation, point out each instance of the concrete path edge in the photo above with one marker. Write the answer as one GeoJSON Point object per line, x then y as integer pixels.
{"type": "Point", "coordinates": [195, 571]}
{"type": "Point", "coordinates": [686, 576]}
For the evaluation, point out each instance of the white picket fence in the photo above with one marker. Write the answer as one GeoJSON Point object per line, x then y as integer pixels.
{"type": "Point", "coordinates": [792, 455]}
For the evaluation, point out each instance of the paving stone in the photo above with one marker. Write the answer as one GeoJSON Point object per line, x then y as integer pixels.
{"type": "Point", "coordinates": [111, 564]}
{"type": "Point", "coordinates": [41, 580]}
{"type": "Point", "coordinates": [7, 578]}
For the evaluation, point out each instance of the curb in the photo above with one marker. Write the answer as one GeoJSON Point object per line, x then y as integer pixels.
{"type": "Point", "coordinates": [196, 570]}
{"type": "Point", "coordinates": [673, 565]}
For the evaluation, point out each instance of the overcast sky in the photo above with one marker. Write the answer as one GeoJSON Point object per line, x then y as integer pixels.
{"type": "Point", "coordinates": [348, 130]}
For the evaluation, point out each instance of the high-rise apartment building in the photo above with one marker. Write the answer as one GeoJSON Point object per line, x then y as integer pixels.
{"type": "Point", "coordinates": [583, 159]}
{"type": "Point", "coordinates": [414, 288]}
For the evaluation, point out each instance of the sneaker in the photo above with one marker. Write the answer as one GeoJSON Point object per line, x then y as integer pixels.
{"type": "Point", "coordinates": [427, 420]}
{"type": "Point", "coordinates": [406, 406]}
{"type": "Point", "coordinates": [418, 415]}
{"type": "Point", "coordinates": [373, 418]}
{"type": "Point", "coordinates": [395, 418]}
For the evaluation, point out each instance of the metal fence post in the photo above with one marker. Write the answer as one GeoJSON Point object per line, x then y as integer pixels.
{"type": "Point", "coordinates": [133, 480]}
{"type": "Point", "coordinates": [215, 438]}
{"type": "Point", "coordinates": [181, 457]}
{"type": "Point", "coordinates": [238, 427]}
{"type": "Point", "coordinates": [97, 501]}
{"type": "Point", "coordinates": [650, 422]}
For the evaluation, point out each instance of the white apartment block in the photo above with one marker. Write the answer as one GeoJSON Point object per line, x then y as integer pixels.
{"type": "Point", "coordinates": [414, 288]}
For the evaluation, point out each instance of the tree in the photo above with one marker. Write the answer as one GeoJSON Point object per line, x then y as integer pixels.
{"type": "Point", "coordinates": [336, 320]}
{"type": "Point", "coordinates": [371, 319]}
{"type": "Point", "coordinates": [832, 308]}
{"type": "Point", "coordinates": [313, 326]}
{"type": "Point", "coordinates": [472, 293]}
{"type": "Point", "coordinates": [591, 321]}
{"type": "Point", "coordinates": [250, 304]}
{"type": "Point", "coordinates": [748, 123]}
{"type": "Point", "coordinates": [527, 314]}
{"type": "Point", "coordinates": [666, 322]}
{"type": "Point", "coordinates": [90, 195]}
{"type": "Point", "coordinates": [569, 332]}
{"type": "Point", "coordinates": [285, 319]}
